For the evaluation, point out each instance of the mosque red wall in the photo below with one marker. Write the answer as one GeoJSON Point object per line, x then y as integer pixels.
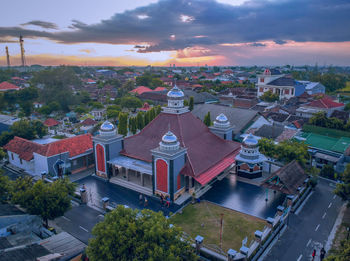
{"type": "Point", "coordinates": [162, 175]}
{"type": "Point", "coordinates": [100, 153]}
{"type": "Point", "coordinates": [178, 181]}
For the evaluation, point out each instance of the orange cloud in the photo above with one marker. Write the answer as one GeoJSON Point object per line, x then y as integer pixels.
{"type": "Point", "coordinates": [52, 60]}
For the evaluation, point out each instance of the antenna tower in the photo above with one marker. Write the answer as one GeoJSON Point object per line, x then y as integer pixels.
{"type": "Point", "coordinates": [23, 59]}
{"type": "Point", "coordinates": [7, 57]}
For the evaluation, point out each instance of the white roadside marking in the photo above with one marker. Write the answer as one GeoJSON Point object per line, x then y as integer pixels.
{"type": "Point", "coordinates": [317, 227]}
{"type": "Point", "coordinates": [334, 196]}
{"type": "Point", "coordinates": [299, 257]}
{"type": "Point", "coordinates": [324, 215]}
{"type": "Point", "coordinates": [308, 242]}
{"type": "Point", "coordinates": [330, 204]}
{"type": "Point", "coordinates": [66, 218]}
{"type": "Point", "coordinates": [84, 229]}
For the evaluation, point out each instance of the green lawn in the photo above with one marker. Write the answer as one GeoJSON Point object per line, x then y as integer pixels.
{"type": "Point", "coordinates": [204, 219]}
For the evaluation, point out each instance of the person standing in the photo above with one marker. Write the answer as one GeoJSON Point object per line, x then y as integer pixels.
{"type": "Point", "coordinates": [168, 202]}
{"type": "Point", "coordinates": [313, 254]}
{"type": "Point", "coordinates": [322, 253]}
{"type": "Point", "coordinates": [146, 202]}
{"type": "Point", "coordinates": [161, 199]}
{"type": "Point", "coordinates": [140, 199]}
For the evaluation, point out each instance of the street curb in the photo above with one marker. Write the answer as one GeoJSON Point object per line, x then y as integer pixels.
{"type": "Point", "coordinates": [335, 228]}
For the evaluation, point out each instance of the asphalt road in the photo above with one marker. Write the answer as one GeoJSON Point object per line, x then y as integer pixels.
{"type": "Point", "coordinates": [310, 228]}
{"type": "Point", "coordinates": [79, 221]}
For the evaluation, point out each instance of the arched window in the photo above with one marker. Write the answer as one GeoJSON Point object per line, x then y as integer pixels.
{"type": "Point", "coordinates": [162, 175]}
{"type": "Point", "coordinates": [100, 153]}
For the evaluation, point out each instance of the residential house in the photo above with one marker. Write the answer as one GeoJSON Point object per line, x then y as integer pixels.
{"type": "Point", "coordinates": [70, 155]}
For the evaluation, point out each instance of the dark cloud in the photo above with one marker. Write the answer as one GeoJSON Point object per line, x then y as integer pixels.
{"type": "Point", "coordinates": [280, 42]}
{"type": "Point", "coordinates": [161, 27]}
{"type": "Point", "coordinates": [257, 44]}
{"type": "Point", "coordinates": [43, 24]}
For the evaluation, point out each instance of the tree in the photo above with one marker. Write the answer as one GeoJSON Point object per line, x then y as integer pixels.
{"type": "Point", "coordinates": [2, 154]}
{"type": "Point", "coordinates": [343, 189]}
{"type": "Point", "coordinates": [285, 151]}
{"type": "Point", "coordinates": [127, 234]}
{"type": "Point", "coordinates": [132, 125]}
{"type": "Point", "coordinates": [327, 171]}
{"type": "Point", "coordinates": [147, 117]}
{"type": "Point", "coordinates": [48, 200]}
{"type": "Point", "coordinates": [23, 129]}
{"type": "Point", "coordinates": [190, 106]}
{"type": "Point", "coordinates": [140, 122]}
{"type": "Point", "coordinates": [269, 96]}
{"type": "Point", "coordinates": [57, 84]}
{"type": "Point", "coordinates": [5, 137]}
{"type": "Point", "coordinates": [207, 120]}
{"type": "Point", "coordinates": [4, 187]}
{"type": "Point", "coordinates": [123, 123]}
{"type": "Point", "coordinates": [131, 102]}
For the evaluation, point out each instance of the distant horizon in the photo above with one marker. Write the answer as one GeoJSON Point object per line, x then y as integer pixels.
{"type": "Point", "coordinates": [184, 32]}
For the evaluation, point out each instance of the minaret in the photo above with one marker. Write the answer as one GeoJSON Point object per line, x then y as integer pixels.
{"type": "Point", "coordinates": [222, 127]}
{"type": "Point", "coordinates": [107, 146]}
{"type": "Point", "coordinates": [167, 161]}
{"type": "Point", "coordinates": [8, 57]}
{"type": "Point", "coordinates": [249, 161]}
{"type": "Point", "coordinates": [175, 102]}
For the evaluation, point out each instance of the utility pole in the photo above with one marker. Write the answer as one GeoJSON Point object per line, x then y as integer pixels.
{"type": "Point", "coordinates": [7, 57]}
{"type": "Point", "coordinates": [221, 221]}
{"type": "Point", "coordinates": [23, 59]}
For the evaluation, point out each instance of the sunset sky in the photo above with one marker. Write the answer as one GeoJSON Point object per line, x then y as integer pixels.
{"type": "Point", "coordinates": [192, 32]}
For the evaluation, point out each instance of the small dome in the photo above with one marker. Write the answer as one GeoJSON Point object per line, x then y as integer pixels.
{"type": "Point", "coordinates": [221, 118]}
{"type": "Point", "coordinates": [107, 126]}
{"type": "Point", "coordinates": [169, 137]}
{"type": "Point", "coordinates": [221, 121]}
{"type": "Point", "coordinates": [175, 93]}
{"type": "Point", "coordinates": [250, 141]}
{"type": "Point", "coordinates": [169, 142]}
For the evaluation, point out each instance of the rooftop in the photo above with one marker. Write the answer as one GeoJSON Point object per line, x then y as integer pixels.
{"type": "Point", "coordinates": [325, 142]}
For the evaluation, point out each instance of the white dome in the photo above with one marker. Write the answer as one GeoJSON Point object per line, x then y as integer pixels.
{"type": "Point", "coordinates": [169, 142]}
{"type": "Point", "coordinates": [250, 141]}
{"type": "Point", "coordinates": [221, 121]}
{"type": "Point", "coordinates": [175, 93]}
{"type": "Point", "coordinates": [169, 137]}
{"type": "Point", "coordinates": [221, 118]}
{"type": "Point", "coordinates": [107, 126]}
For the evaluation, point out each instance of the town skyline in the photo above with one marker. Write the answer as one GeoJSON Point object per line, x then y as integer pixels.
{"type": "Point", "coordinates": [185, 33]}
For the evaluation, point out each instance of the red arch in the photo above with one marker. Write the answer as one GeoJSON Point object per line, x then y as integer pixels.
{"type": "Point", "coordinates": [100, 152]}
{"type": "Point", "coordinates": [162, 175]}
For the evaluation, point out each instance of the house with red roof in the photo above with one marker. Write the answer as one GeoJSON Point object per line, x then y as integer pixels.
{"type": "Point", "coordinates": [6, 86]}
{"type": "Point", "coordinates": [325, 104]}
{"type": "Point", "coordinates": [159, 89]}
{"type": "Point", "coordinates": [175, 155]}
{"type": "Point", "coordinates": [140, 89]}
{"type": "Point", "coordinates": [52, 124]}
{"type": "Point", "coordinates": [70, 155]}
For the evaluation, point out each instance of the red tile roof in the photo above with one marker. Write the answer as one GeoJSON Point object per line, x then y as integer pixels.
{"type": "Point", "coordinates": [75, 146]}
{"type": "Point", "coordinates": [159, 89]}
{"type": "Point", "coordinates": [25, 148]}
{"type": "Point", "coordinates": [325, 103]}
{"type": "Point", "coordinates": [88, 122]}
{"type": "Point", "coordinates": [6, 86]}
{"type": "Point", "coordinates": [145, 107]}
{"type": "Point", "coordinates": [141, 89]}
{"type": "Point", "coordinates": [205, 150]}
{"type": "Point", "coordinates": [51, 122]}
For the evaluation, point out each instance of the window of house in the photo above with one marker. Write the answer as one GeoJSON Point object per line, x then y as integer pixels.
{"type": "Point", "coordinates": [292, 91]}
{"type": "Point", "coordinates": [75, 162]}
{"type": "Point", "coordinates": [20, 160]}
{"type": "Point", "coordinates": [261, 89]}
{"type": "Point", "coordinates": [286, 91]}
{"type": "Point", "coordinates": [262, 79]}
{"type": "Point", "coordinates": [12, 156]}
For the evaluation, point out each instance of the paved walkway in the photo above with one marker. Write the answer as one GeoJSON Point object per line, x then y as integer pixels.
{"type": "Point", "coordinates": [310, 228]}
{"type": "Point", "coordinates": [98, 189]}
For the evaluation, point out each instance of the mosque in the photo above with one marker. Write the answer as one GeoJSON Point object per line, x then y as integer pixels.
{"type": "Point", "coordinates": [175, 154]}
